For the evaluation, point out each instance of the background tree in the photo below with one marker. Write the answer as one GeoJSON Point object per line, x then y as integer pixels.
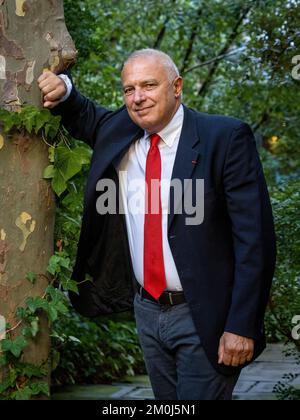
{"type": "Point", "coordinates": [33, 37]}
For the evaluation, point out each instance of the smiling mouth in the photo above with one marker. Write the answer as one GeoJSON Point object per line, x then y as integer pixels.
{"type": "Point", "coordinates": [143, 109]}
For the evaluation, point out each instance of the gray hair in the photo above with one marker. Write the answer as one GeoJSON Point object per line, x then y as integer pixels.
{"type": "Point", "coordinates": [164, 58]}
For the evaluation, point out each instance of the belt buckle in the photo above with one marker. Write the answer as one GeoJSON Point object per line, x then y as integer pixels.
{"type": "Point", "coordinates": [170, 298]}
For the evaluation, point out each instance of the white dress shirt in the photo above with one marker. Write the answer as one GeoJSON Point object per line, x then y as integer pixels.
{"type": "Point", "coordinates": [131, 173]}
{"type": "Point", "coordinates": [132, 183]}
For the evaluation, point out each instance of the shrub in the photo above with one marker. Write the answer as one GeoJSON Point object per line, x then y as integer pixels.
{"type": "Point", "coordinates": [285, 296]}
{"type": "Point", "coordinates": [85, 351]}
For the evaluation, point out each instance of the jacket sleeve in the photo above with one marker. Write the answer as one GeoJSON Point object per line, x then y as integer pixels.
{"type": "Point", "coordinates": [81, 117]}
{"type": "Point", "coordinates": [249, 210]}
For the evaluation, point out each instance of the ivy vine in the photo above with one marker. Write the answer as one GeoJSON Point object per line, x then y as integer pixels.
{"type": "Point", "coordinates": [66, 160]}
{"type": "Point", "coordinates": [23, 381]}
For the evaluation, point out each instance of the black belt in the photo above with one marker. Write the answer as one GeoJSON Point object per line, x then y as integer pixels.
{"type": "Point", "coordinates": [167, 298]}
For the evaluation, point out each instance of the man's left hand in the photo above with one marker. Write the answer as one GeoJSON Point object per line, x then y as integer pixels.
{"type": "Point", "coordinates": [235, 350]}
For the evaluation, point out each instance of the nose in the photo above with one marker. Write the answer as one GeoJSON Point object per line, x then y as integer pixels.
{"type": "Point", "coordinates": [139, 96]}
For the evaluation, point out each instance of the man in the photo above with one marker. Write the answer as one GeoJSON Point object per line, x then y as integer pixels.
{"type": "Point", "coordinates": [202, 288]}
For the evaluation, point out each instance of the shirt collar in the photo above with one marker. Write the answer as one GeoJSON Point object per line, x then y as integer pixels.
{"type": "Point", "coordinates": [170, 132]}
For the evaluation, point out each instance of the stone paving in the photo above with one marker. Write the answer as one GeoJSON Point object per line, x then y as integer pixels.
{"type": "Point", "coordinates": [256, 382]}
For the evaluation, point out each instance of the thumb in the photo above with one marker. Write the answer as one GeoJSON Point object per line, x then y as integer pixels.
{"type": "Point", "coordinates": [221, 351]}
{"type": "Point", "coordinates": [50, 105]}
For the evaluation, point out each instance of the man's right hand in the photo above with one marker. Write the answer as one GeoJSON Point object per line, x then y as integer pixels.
{"type": "Point", "coordinates": [52, 87]}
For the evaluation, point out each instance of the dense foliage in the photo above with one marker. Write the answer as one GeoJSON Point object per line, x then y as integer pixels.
{"type": "Point", "coordinates": [98, 353]}
{"type": "Point", "coordinates": [236, 59]}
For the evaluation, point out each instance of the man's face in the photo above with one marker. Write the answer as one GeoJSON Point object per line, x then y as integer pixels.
{"type": "Point", "coordinates": [150, 96]}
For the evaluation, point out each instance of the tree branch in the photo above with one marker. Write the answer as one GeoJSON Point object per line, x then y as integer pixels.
{"type": "Point", "coordinates": [218, 58]}
{"type": "Point", "coordinates": [264, 118]}
{"type": "Point", "coordinates": [191, 41]}
{"type": "Point", "coordinates": [161, 34]}
{"type": "Point", "coordinates": [162, 31]}
{"type": "Point", "coordinates": [232, 37]}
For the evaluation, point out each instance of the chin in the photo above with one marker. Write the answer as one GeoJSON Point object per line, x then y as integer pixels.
{"type": "Point", "coordinates": [145, 125]}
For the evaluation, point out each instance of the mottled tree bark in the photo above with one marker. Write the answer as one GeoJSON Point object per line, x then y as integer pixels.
{"type": "Point", "coordinates": [33, 37]}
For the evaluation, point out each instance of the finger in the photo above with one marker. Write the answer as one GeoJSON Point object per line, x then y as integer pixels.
{"type": "Point", "coordinates": [48, 82]}
{"type": "Point", "coordinates": [41, 78]}
{"type": "Point", "coordinates": [227, 359]}
{"type": "Point", "coordinates": [236, 361]}
{"type": "Point", "coordinates": [47, 89]}
{"type": "Point", "coordinates": [242, 361]}
{"type": "Point", "coordinates": [221, 350]}
{"type": "Point", "coordinates": [54, 95]}
{"type": "Point", "coordinates": [221, 354]}
{"type": "Point", "coordinates": [44, 76]}
{"type": "Point", "coordinates": [249, 357]}
{"type": "Point", "coordinates": [50, 105]}
{"type": "Point", "coordinates": [51, 80]}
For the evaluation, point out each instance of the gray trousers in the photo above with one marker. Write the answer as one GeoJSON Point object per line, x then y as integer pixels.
{"type": "Point", "coordinates": [175, 359]}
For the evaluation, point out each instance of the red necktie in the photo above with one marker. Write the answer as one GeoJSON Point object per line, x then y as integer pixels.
{"type": "Point", "coordinates": [154, 270]}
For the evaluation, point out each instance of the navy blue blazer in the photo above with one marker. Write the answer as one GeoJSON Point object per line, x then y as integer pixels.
{"type": "Point", "coordinates": [225, 264]}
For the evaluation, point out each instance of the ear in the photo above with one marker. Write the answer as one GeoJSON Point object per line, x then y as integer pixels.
{"type": "Point", "coordinates": [178, 86]}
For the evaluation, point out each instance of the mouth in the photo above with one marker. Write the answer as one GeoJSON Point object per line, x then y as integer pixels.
{"type": "Point", "coordinates": [142, 109]}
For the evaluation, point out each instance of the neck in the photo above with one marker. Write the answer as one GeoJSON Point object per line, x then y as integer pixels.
{"type": "Point", "coordinates": [157, 129]}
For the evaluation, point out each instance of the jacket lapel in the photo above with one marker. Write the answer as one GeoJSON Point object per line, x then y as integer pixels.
{"type": "Point", "coordinates": [119, 149]}
{"type": "Point", "coordinates": [187, 158]}
{"type": "Point", "coordinates": [111, 153]}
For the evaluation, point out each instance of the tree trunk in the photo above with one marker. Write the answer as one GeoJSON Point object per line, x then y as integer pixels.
{"type": "Point", "coordinates": [33, 37]}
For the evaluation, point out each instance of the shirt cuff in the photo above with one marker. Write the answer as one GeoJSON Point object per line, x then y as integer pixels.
{"type": "Point", "coordinates": [68, 84]}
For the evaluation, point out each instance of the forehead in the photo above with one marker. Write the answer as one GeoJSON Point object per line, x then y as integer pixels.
{"type": "Point", "coordinates": [144, 68]}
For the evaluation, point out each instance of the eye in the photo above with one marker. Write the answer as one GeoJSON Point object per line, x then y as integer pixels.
{"type": "Point", "coordinates": [150, 86]}
{"type": "Point", "coordinates": [128, 91]}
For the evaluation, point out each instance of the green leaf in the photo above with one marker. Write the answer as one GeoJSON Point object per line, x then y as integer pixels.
{"type": "Point", "coordinates": [31, 119]}
{"type": "Point", "coordinates": [56, 263]}
{"type": "Point", "coordinates": [55, 359]}
{"type": "Point", "coordinates": [61, 307]}
{"type": "Point", "coordinates": [8, 381]}
{"type": "Point", "coordinates": [68, 162]}
{"type": "Point", "coordinates": [30, 370]}
{"type": "Point", "coordinates": [23, 394]}
{"type": "Point", "coordinates": [42, 118]}
{"type": "Point", "coordinates": [27, 331]}
{"type": "Point", "coordinates": [3, 360]}
{"type": "Point", "coordinates": [15, 347]}
{"type": "Point", "coordinates": [57, 304]}
{"type": "Point", "coordinates": [52, 127]}
{"type": "Point", "coordinates": [49, 172]}
{"type": "Point", "coordinates": [18, 346]}
{"type": "Point", "coordinates": [29, 123]}
{"type": "Point", "coordinates": [36, 303]}
{"type": "Point", "coordinates": [58, 184]}
{"type": "Point", "coordinates": [34, 327]}
{"type": "Point", "coordinates": [31, 388]}
{"type": "Point", "coordinates": [69, 285]}
{"type": "Point", "coordinates": [10, 120]}
{"type": "Point", "coordinates": [31, 277]}
{"type": "Point", "coordinates": [53, 265]}
{"type": "Point", "coordinates": [22, 313]}
{"type": "Point", "coordinates": [40, 388]}
{"type": "Point", "coordinates": [51, 152]}
{"type": "Point", "coordinates": [74, 339]}
{"type": "Point", "coordinates": [52, 312]}
{"type": "Point", "coordinates": [53, 293]}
